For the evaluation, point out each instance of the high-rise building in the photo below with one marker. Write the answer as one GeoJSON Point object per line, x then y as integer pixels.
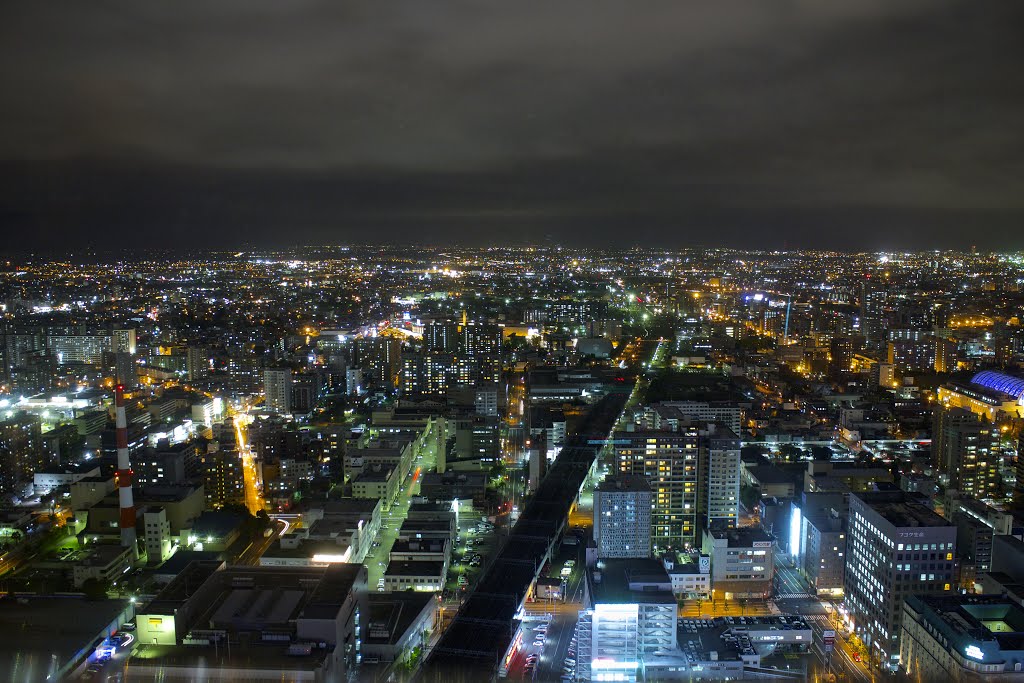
{"type": "Point", "coordinates": [912, 355]}
{"type": "Point", "coordinates": [896, 547]}
{"type": "Point", "coordinates": [21, 451]}
{"type": "Point", "coordinates": [967, 448]}
{"type": "Point", "coordinates": [669, 460]}
{"type": "Point", "coordinates": [840, 354]}
{"type": "Point", "coordinates": [277, 389]}
{"type": "Point", "coordinates": [442, 337]}
{"type": "Point", "coordinates": [671, 414]}
{"type": "Point", "coordinates": [882, 375]}
{"type": "Point", "coordinates": [719, 477]}
{"type": "Point", "coordinates": [124, 341]}
{"type": "Point", "coordinates": [381, 356]}
{"type": "Point", "coordinates": [125, 369]}
{"type": "Point", "coordinates": [223, 477]}
{"type": "Point", "coordinates": [481, 340]}
{"type": "Point", "coordinates": [622, 517]}
{"type": "Point", "coordinates": [80, 348]}
{"type": "Point", "coordinates": [818, 540]}
{"type": "Point", "coordinates": [945, 354]}
{"type": "Point", "coordinates": [198, 363]}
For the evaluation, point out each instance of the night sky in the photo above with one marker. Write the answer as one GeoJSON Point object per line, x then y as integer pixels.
{"type": "Point", "coordinates": [861, 124]}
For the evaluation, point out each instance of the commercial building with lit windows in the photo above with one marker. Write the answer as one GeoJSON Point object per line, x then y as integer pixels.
{"type": "Point", "coordinates": [742, 562]}
{"type": "Point", "coordinates": [896, 547]}
{"type": "Point", "coordinates": [962, 638]}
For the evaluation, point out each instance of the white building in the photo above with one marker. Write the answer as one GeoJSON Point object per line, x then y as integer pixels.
{"type": "Point", "coordinates": [721, 476]}
{"type": "Point", "coordinates": [630, 617]}
{"type": "Point", "coordinates": [277, 389]}
{"type": "Point", "coordinates": [742, 562]}
{"type": "Point", "coordinates": [622, 517]}
{"type": "Point", "coordinates": [401, 575]}
{"type": "Point", "coordinates": [48, 480]}
{"type": "Point", "coordinates": [690, 579]}
{"type": "Point", "coordinates": [157, 534]}
{"type": "Point", "coordinates": [103, 563]}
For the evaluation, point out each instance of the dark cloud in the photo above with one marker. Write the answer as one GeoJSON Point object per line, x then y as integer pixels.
{"type": "Point", "coordinates": [818, 122]}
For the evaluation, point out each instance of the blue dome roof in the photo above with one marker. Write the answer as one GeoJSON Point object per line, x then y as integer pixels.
{"type": "Point", "coordinates": [1008, 384]}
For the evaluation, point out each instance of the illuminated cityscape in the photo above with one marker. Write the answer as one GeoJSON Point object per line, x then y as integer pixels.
{"type": "Point", "coordinates": [446, 342]}
{"type": "Point", "coordinates": [512, 461]}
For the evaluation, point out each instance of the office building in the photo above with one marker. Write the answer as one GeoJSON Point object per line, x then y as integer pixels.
{"type": "Point", "coordinates": [669, 460]}
{"type": "Point", "coordinates": [962, 638]}
{"type": "Point", "coordinates": [818, 540]}
{"type": "Point", "coordinates": [622, 517]}
{"type": "Point", "coordinates": [896, 547]}
{"type": "Point", "coordinates": [742, 562]}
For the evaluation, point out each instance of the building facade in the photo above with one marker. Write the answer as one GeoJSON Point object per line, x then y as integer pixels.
{"type": "Point", "coordinates": [897, 547]}
{"type": "Point", "coordinates": [622, 517]}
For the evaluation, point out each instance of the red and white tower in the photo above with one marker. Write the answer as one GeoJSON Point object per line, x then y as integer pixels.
{"type": "Point", "coordinates": [124, 474]}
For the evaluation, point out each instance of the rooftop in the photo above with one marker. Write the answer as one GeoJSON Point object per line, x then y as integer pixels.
{"type": "Point", "coordinates": [391, 615]}
{"type": "Point", "coordinates": [630, 580]}
{"type": "Point", "coordinates": [902, 509]}
{"type": "Point", "coordinates": [625, 482]}
{"type": "Point", "coordinates": [742, 537]}
{"type": "Point", "coordinates": [401, 568]}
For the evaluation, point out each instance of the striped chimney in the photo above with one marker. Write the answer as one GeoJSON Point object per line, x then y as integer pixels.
{"type": "Point", "coordinates": [124, 473]}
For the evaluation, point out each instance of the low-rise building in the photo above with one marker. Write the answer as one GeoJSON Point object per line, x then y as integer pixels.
{"type": "Point", "coordinates": [379, 483]}
{"type": "Point", "coordinates": [742, 562]}
{"type": "Point", "coordinates": [102, 563]}
{"type": "Point", "coordinates": [962, 638]}
{"type": "Point", "coordinates": [401, 575]}
{"type": "Point", "coordinates": [396, 625]}
{"type": "Point", "coordinates": [256, 623]}
{"type": "Point", "coordinates": [691, 580]}
{"type": "Point", "coordinates": [628, 620]}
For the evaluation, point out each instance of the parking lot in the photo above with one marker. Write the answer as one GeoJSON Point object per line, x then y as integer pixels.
{"type": "Point", "coordinates": [474, 546]}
